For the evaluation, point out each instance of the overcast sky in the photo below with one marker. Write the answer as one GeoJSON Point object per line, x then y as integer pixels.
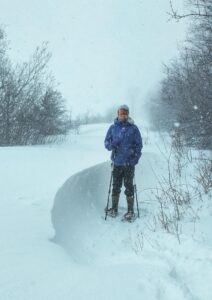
{"type": "Point", "coordinates": [105, 52]}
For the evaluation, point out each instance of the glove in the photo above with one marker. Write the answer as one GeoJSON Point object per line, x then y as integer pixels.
{"type": "Point", "coordinates": [134, 161]}
{"type": "Point", "coordinates": [116, 142]}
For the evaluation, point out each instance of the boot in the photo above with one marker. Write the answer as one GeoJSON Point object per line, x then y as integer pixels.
{"type": "Point", "coordinates": [130, 211]}
{"type": "Point", "coordinates": [113, 211]}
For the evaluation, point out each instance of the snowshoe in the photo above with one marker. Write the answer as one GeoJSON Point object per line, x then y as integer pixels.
{"type": "Point", "coordinates": [129, 216]}
{"type": "Point", "coordinates": [111, 212]}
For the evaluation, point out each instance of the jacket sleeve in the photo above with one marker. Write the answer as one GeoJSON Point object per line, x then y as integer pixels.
{"type": "Point", "coordinates": [108, 139]}
{"type": "Point", "coordinates": [138, 144]}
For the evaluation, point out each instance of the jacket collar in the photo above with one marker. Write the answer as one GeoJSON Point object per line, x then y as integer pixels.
{"type": "Point", "coordinates": [128, 122]}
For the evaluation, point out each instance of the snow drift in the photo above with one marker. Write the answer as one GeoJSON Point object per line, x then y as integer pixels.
{"type": "Point", "coordinates": [78, 210]}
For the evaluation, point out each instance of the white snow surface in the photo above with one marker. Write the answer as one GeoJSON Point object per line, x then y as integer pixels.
{"type": "Point", "coordinates": [55, 243]}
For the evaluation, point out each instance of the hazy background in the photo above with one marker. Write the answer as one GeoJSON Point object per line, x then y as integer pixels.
{"type": "Point", "coordinates": [104, 52]}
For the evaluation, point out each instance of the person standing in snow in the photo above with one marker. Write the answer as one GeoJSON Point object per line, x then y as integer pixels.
{"type": "Point", "coordinates": [123, 138]}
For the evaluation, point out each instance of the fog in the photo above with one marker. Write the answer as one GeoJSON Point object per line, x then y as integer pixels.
{"type": "Point", "coordinates": [104, 53]}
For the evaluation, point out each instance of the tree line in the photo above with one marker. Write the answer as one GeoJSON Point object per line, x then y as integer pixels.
{"type": "Point", "coordinates": [183, 104]}
{"type": "Point", "coordinates": [31, 108]}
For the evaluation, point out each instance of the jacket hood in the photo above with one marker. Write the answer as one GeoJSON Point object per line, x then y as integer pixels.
{"type": "Point", "coordinates": [129, 120]}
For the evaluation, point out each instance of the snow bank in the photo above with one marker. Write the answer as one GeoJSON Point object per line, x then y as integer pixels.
{"type": "Point", "coordinates": [78, 211]}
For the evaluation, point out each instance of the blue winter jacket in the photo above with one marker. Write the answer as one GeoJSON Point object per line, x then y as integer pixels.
{"type": "Point", "coordinates": [128, 137]}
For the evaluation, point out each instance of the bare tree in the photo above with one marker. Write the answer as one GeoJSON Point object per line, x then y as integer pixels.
{"type": "Point", "coordinates": [30, 105]}
{"type": "Point", "coordinates": [185, 98]}
{"type": "Point", "coordinates": [198, 9]}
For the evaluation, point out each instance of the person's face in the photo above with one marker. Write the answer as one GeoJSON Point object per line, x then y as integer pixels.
{"type": "Point", "coordinates": [122, 115]}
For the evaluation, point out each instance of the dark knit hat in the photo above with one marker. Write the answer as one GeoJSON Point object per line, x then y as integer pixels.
{"type": "Point", "coordinates": [124, 107]}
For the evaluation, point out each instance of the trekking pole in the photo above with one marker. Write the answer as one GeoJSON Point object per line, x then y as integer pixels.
{"type": "Point", "coordinates": [136, 196]}
{"type": "Point", "coordinates": [108, 199]}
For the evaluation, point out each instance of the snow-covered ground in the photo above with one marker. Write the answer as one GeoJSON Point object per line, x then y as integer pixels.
{"type": "Point", "coordinates": [55, 243]}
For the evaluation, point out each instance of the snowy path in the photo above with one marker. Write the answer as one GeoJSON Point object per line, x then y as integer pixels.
{"type": "Point", "coordinates": [94, 259]}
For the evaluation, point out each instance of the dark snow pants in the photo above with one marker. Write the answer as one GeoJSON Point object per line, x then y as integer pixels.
{"type": "Point", "coordinates": [120, 174]}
